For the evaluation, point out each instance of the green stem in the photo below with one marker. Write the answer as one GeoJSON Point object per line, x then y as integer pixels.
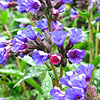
{"type": "Point", "coordinates": [61, 73]}
{"type": "Point", "coordinates": [91, 40]}
{"type": "Point", "coordinates": [55, 73]}
{"type": "Point", "coordinates": [5, 85]}
{"type": "Point", "coordinates": [97, 42]}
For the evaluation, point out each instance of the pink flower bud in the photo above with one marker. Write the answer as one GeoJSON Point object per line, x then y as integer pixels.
{"type": "Point", "coordinates": [55, 59]}
{"type": "Point", "coordinates": [55, 12]}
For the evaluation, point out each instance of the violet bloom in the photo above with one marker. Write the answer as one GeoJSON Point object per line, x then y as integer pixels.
{"type": "Point", "coordinates": [43, 24]}
{"type": "Point", "coordinates": [74, 94]}
{"type": "Point", "coordinates": [55, 59]}
{"type": "Point", "coordinates": [79, 81]}
{"type": "Point", "coordinates": [21, 25]}
{"type": "Point", "coordinates": [74, 14]}
{"type": "Point", "coordinates": [62, 8]}
{"type": "Point", "coordinates": [98, 10]}
{"type": "Point", "coordinates": [29, 33]}
{"type": "Point", "coordinates": [4, 5]}
{"type": "Point", "coordinates": [67, 80]}
{"type": "Point", "coordinates": [66, 1]}
{"type": "Point", "coordinates": [76, 36]}
{"type": "Point", "coordinates": [58, 37]}
{"type": "Point", "coordinates": [17, 45]}
{"type": "Point", "coordinates": [28, 6]}
{"type": "Point", "coordinates": [3, 56]}
{"type": "Point", "coordinates": [87, 70]}
{"type": "Point", "coordinates": [39, 57]}
{"type": "Point", "coordinates": [2, 42]}
{"type": "Point", "coordinates": [57, 94]}
{"type": "Point", "coordinates": [76, 55]}
{"type": "Point", "coordinates": [2, 98]}
{"type": "Point", "coordinates": [56, 25]}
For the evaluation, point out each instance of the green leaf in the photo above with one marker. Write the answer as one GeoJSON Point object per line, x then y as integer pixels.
{"type": "Point", "coordinates": [47, 86]}
{"type": "Point", "coordinates": [12, 72]}
{"type": "Point", "coordinates": [23, 64]}
{"type": "Point", "coordinates": [98, 35]}
{"type": "Point", "coordinates": [4, 17]}
{"type": "Point", "coordinates": [83, 14]}
{"type": "Point", "coordinates": [22, 20]}
{"type": "Point", "coordinates": [96, 61]}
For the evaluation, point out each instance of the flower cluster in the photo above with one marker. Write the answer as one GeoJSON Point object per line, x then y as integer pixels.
{"type": "Point", "coordinates": [78, 83]}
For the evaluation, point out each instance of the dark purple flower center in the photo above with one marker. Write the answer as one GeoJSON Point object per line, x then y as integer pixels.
{"type": "Point", "coordinates": [78, 97]}
{"type": "Point", "coordinates": [73, 54]}
{"type": "Point", "coordinates": [35, 5]}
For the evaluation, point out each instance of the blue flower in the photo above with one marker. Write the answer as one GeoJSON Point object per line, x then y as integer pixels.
{"type": "Point", "coordinates": [76, 55]}
{"type": "Point", "coordinates": [76, 36]}
{"type": "Point", "coordinates": [67, 80]}
{"type": "Point", "coordinates": [66, 1]}
{"type": "Point", "coordinates": [57, 94]}
{"type": "Point", "coordinates": [2, 98]}
{"type": "Point", "coordinates": [39, 57]}
{"type": "Point", "coordinates": [28, 6]}
{"type": "Point", "coordinates": [87, 70]}
{"type": "Point", "coordinates": [4, 5]}
{"type": "Point", "coordinates": [74, 94]}
{"type": "Point", "coordinates": [3, 56]}
{"type": "Point", "coordinates": [2, 53]}
{"type": "Point", "coordinates": [43, 24]}
{"type": "Point", "coordinates": [73, 14]}
{"type": "Point", "coordinates": [79, 81]}
{"type": "Point", "coordinates": [56, 25]}
{"type": "Point", "coordinates": [29, 33]}
{"type": "Point", "coordinates": [17, 45]}
{"type": "Point", "coordinates": [98, 10]}
{"type": "Point", "coordinates": [2, 42]}
{"type": "Point", "coordinates": [58, 37]}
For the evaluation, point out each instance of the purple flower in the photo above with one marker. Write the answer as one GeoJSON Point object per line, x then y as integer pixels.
{"type": "Point", "coordinates": [4, 5]}
{"type": "Point", "coordinates": [87, 70]}
{"type": "Point", "coordinates": [3, 56]}
{"type": "Point", "coordinates": [17, 45]}
{"type": "Point", "coordinates": [66, 1]}
{"type": "Point", "coordinates": [74, 14]}
{"type": "Point", "coordinates": [43, 24]}
{"type": "Point", "coordinates": [79, 81]}
{"type": "Point", "coordinates": [76, 55]}
{"type": "Point", "coordinates": [57, 94]}
{"type": "Point", "coordinates": [98, 10]}
{"type": "Point", "coordinates": [29, 33]}
{"type": "Point", "coordinates": [67, 80]}
{"type": "Point", "coordinates": [2, 42]}
{"type": "Point", "coordinates": [28, 6]}
{"type": "Point", "coordinates": [62, 8]}
{"type": "Point", "coordinates": [56, 25]}
{"type": "Point", "coordinates": [58, 37]}
{"type": "Point", "coordinates": [21, 25]}
{"type": "Point", "coordinates": [39, 57]}
{"type": "Point", "coordinates": [2, 98]}
{"type": "Point", "coordinates": [74, 94]}
{"type": "Point", "coordinates": [20, 36]}
{"type": "Point", "coordinates": [76, 36]}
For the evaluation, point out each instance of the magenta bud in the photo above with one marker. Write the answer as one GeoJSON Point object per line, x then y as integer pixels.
{"type": "Point", "coordinates": [55, 59]}
{"type": "Point", "coordinates": [55, 12]}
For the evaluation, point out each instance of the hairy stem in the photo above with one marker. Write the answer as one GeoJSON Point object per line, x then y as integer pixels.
{"type": "Point", "coordinates": [61, 73]}
{"type": "Point", "coordinates": [97, 42]}
{"type": "Point", "coordinates": [56, 75]}
{"type": "Point", "coordinates": [91, 40]}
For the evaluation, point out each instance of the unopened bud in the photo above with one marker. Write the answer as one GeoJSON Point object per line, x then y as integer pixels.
{"type": "Point", "coordinates": [55, 12]}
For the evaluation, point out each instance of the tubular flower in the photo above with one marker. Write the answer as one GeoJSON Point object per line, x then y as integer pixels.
{"type": "Point", "coordinates": [87, 70]}
{"type": "Point", "coordinates": [76, 55]}
{"type": "Point", "coordinates": [76, 36]}
{"type": "Point", "coordinates": [39, 57]}
{"type": "Point", "coordinates": [28, 6]}
{"type": "Point", "coordinates": [58, 37]}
